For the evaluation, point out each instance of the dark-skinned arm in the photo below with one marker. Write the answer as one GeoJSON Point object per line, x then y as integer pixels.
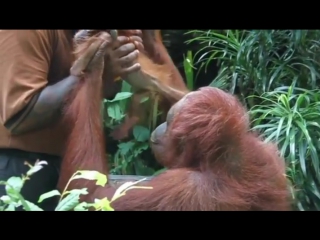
{"type": "Point", "coordinates": [43, 109]}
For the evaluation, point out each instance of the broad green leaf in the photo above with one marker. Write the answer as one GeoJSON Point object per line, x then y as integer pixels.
{"type": "Point", "coordinates": [14, 183]}
{"type": "Point", "coordinates": [103, 205]}
{"type": "Point", "coordinates": [32, 207]}
{"type": "Point", "coordinates": [17, 199]}
{"type": "Point", "coordinates": [139, 147]}
{"type": "Point", "coordinates": [141, 134]}
{"type": "Point", "coordinates": [5, 199]}
{"type": "Point", "coordinates": [125, 147]}
{"type": "Point", "coordinates": [48, 195]}
{"type": "Point", "coordinates": [10, 208]}
{"type": "Point", "coordinates": [121, 96]}
{"type": "Point", "coordinates": [114, 111]}
{"type": "Point", "coordinates": [101, 179]}
{"type": "Point", "coordinates": [69, 202]}
{"type": "Point", "coordinates": [82, 207]}
{"type": "Point", "coordinates": [82, 191]}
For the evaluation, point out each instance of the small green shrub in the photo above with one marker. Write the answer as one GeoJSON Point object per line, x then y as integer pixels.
{"type": "Point", "coordinates": [69, 200]}
{"type": "Point", "coordinates": [291, 117]}
{"type": "Point", "coordinates": [128, 158]}
{"type": "Point", "coordinates": [257, 61]}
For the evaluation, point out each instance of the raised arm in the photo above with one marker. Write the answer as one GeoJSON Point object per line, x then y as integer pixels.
{"type": "Point", "coordinates": [156, 50]}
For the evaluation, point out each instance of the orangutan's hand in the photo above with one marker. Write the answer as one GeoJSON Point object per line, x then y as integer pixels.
{"type": "Point", "coordinates": [90, 52]}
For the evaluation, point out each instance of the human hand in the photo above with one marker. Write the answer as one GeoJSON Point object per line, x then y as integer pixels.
{"type": "Point", "coordinates": [122, 60]}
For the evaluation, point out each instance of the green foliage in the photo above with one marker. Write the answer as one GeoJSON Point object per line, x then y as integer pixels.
{"type": "Point", "coordinates": [291, 116]}
{"type": "Point", "coordinates": [189, 70]}
{"type": "Point", "coordinates": [127, 159]}
{"type": "Point", "coordinates": [257, 61]}
{"type": "Point", "coordinates": [69, 200]}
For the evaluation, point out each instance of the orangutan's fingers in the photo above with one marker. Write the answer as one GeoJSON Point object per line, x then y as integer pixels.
{"type": "Point", "coordinates": [104, 36]}
{"type": "Point", "coordinates": [99, 56]}
{"type": "Point", "coordinates": [80, 36]}
{"type": "Point", "coordinates": [84, 60]}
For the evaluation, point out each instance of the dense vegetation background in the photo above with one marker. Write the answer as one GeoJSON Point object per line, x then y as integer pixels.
{"type": "Point", "coordinates": [276, 75]}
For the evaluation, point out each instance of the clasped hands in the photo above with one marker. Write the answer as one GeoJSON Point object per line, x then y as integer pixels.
{"type": "Point", "coordinates": [119, 55]}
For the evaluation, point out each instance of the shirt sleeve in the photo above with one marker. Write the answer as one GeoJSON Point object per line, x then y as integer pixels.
{"type": "Point", "coordinates": [25, 57]}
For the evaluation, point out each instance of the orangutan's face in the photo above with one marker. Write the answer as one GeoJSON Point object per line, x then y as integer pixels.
{"type": "Point", "coordinates": [160, 135]}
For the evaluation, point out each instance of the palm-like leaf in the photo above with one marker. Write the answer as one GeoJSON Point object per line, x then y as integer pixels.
{"type": "Point", "coordinates": [260, 60]}
{"type": "Point", "coordinates": [290, 116]}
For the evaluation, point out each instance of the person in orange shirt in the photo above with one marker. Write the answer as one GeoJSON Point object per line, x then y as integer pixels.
{"type": "Point", "coordinates": [34, 80]}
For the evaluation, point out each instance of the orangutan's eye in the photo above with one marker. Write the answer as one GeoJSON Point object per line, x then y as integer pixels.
{"type": "Point", "coordinates": [174, 110]}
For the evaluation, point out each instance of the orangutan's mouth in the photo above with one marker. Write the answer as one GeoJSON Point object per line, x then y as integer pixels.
{"type": "Point", "coordinates": [153, 139]}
